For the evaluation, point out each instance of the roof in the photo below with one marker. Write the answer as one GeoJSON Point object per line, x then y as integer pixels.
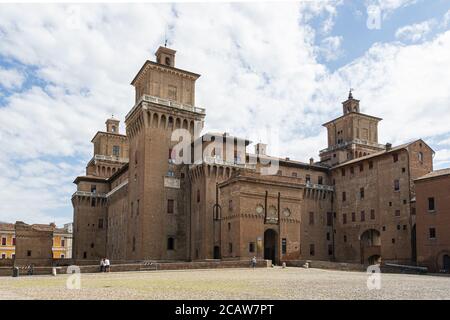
{"type": "Point", "coordinates": [380, 153]}
{"type": "Point", "coordinates": [353, 113]}
{"type": "Point", "coordinates": [148, 62]}
{"type": "Point", "coordinates": [110, 133]}
{"type": "Point", "coordinates": [90, 178]}
{"type": "Point", "coordinates": [6, 226]}
{"type": "Point", "coordinates": [435, 174]}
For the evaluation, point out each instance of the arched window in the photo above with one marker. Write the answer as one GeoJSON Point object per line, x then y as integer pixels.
{"type": "Point", "coordinates": [170, 243]}
{"type": "Point", "coordinates": [420, 156]}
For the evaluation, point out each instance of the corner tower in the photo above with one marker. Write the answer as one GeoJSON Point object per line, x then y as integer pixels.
{"type": "Point", "coordinates": [158, 188]}
{"type": "Point", "coordinates": [352, 135]}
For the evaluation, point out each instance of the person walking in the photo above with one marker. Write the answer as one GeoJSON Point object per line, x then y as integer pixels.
{"type": "Point", "coordinates": [107, 265]}
{"type": "Point", "coordinates": [254, 262]}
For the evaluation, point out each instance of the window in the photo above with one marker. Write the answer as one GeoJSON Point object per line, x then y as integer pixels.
{"type": "Point", "coordinates": [432, 233]}
{"type": "Point", "coordinates": [93, 202]}
{"type": "Point", "coordinates": [398, 227]}
{"type": "Point", "coordinates": [113, 128]}
{"type": "Point", "coordinates": [311, 250]}
{"type": "Point", "coordinates": [100, 224]}
{"type": "Point", "coordinates": [28, 253]}
{"type": "Point", "coordinates": [134, 244]}
{"type": "Point", "coordinates": [283, 245]}
{"type": "Point", "coordinates": [330, 250]}
{"type": "Point", "coordinates": [3, 241]}
{"type": "Point", "coordinates": [329, 219]}
{"type": "Point", "coordinates": [352, 170]}
{"type": "Point", "coordinates": [361, 167]}
{"type": "Point", "coordinates": [230, 205]}
{"type": "Point", "coordinates": [116, 151]}
{"type": "Point", "coordinates": [397, 213]}
{"type": "Point", "coordinates": [363, 216]}
{"type": "Point", "coordinates": [344, 196]}
{"type": "Point", "coordinates": [251, 247]}
{"type": "Point", "coordinates": [328, 236]}
{"type": "Point", "coordinates": [345, 238]}
{"type": "Point", "coordinates": [311, 218]}
{"type": "Point", "coordinates": [393, 240]}
{"type": "Point", "coordinates": [84, 255]}
{"type": "Point", "coordinates": [63, 243]}
{"type": "Point", "coordinates": [343, 172]}
{"type": "Point", "coordinates": [172, 89]}
{"type": "Point", "coordinates": [353, 217]}
{"type": "Point", "coordinates": [370, 165]}
{"type": "Point", "coordinates": [93, 188]}
{"type": "Point", "coordinates": [308, 179]}
{"type": "Point", "coordinates": [62, 256]}
{"type": "Point", "coordinates": [372, 214]}
{"type": "Point", "coordinates": [170, 243]}
{"type": "Point", "coordinates": [404, 227]}
{"type": "Point", "coordinates": [396, 185]}
{"type": "Point", "coordinates": [170, 154]}
{"type": "Point", "coordinates": [230, 248]}
{"type": "Point", "coordinates": [403, 170]}
{"type": "Point", "coordinates": [170, 206]}
{"type": "Point", "coordinates": [384, 228]}
{"type": "Point", "coordinates": [92, 245]}
{"type": "Point", "coordinates": [344, 218]}
{"type": "Point", "coordinates": [420, 157]}
{"type": "Point", "coordinates": [229, 226]}
{"type": "Point", "coordinates": [137, 207]}
{"type": "Point", "coordinates": [198, 195]}
{"type": "Point", "coordinates": [3, 255]}
{"type": "Point", "coordinates": [395, 157]}
{"type": "Point", "coordinates": [14, 241]}
{"type": "Point", "coordinates": [294, 174]}
{"type": "Point", "coordinates": [320, 180]}
{"type": "Point", "coordinates": [361, 193]}
{"type": "Point", "coordinates": [431, 204]}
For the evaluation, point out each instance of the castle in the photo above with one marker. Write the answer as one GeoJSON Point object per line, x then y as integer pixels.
{"type": "Point", "coordinates": [138, 202]}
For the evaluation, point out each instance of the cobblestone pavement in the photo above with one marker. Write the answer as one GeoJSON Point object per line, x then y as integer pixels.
{"type": "Point", "coordinates": [271, 283]}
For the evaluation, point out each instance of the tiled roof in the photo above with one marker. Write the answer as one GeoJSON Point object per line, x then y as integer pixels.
{"type": "Point", "coordinates": [437, 173]}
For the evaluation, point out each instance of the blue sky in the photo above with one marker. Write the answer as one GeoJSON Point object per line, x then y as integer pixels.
{"type": "Point", "coordinates": [65, 68]}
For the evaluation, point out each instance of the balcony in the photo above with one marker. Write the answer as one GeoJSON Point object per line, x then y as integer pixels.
{"type": "Point", "coordinates": [354, 141]}
{"type": "Point", "coordinates": [165, 102]}
{"type": "Point", "coordinates": [100, 157]}
{"type": "Point", "coordinates": [319, 187]}
{"type": "Point", "coordinates": [220, 161]}
{"type": "Point", "coordinates": [88, 194]}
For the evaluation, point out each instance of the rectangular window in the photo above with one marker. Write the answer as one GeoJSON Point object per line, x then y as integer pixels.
{"type": "Point", "coordinates": [311, 218]}
{"type": "Point", "coordinates": [396, 185]}
{"type": "Point", "coordinates": [397, 213]}
{"type": "Point", "coordinates": [170, 243]}
{"type": "Point", "coordinates": [328, 236]}
{"type": "Point", "coordinates": [370, 165]}
{"type": "Point", "coordinates": [29, 253]}
{"type": "Point", "coordinates": [311, 250]}
{"type": "Point", "coordinates": [308, 179]}
{"type": "Point", "coordinates": [395, 157]}
{"type": "Point", "coordinates": [100, 223]}
{"type": "Point", "coordinates": [329, 219]}
{"type": "Point", "coordinates": [432, 232]}
{"type": "Point", "coordinates": [352, 170]}
{"type": "Point", "coordinates": [344, 197]}
{"type": "Point", "coordinates": [283, 246]}
{"type": "Point", "coordinates": [170, 205]}
{"type": "Point", "coordinates": [3, 255]}
{"type": "Point", "coordinates": [230, 205]}
{"type": "Point", "coordinates": [431, 204]}
{"type": "Point", "coordinates": [330, 250]}
{"type": "Point", "coordinates": [92, 202]}
{"type": "Point", "coordinates": [63, 243]}
{"type": "Point", "coordinates": [137, 207]}
{"type": "Point", "coordinates": [251, 247]}
{"type": "Point", "coordinates": [93, 188]}
{"type": "Point", "coordinates": [3, 241]}
{"type": "Point", "coordinates": [116, 151]}
{"type": "Point", "coordinates": [344, 218]}
{"type": "Point", "coordinates": [361, 167]}
{"type": "Point", "coordinates": [345, 238]}
{"type": "Point", "coordinates": [320, 180]}
{"type": "Point", "coordinates": [372, 214]}
{"type": "Point", "coordinates": [353, 217]}
{"type": "Point", "coordinates": [14, 241]}
{"type": "Point", "coordinates": [343, 172]}
{"type": "Point", "coordinates": [198, 195]}
{"type": "Point", "coordinates": [363, 216]}
{"type": "Point", "coordinates": [361, 193]}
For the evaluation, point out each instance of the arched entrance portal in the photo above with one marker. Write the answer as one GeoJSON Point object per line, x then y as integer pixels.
{"type": "Point", "coordinates": [270, 245]}
{"type": "Point", "coordinates": [446, 262]}
{"type": "Point", "coordinates": [370, 241]}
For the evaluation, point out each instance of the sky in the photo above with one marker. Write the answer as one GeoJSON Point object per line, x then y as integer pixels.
{"type": "Point", "coordinates": [271, 72]}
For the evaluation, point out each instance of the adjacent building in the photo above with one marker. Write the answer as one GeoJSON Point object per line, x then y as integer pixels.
{"type": "Point", "coordinates": [138, 202]}
{"type": "Point", "coordinates": [433, 220]}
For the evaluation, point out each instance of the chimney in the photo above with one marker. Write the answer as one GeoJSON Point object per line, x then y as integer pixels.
{"type": "Point", "coordinates": [311, 161]}
{"type": "Point", "coordinates": [388, 146]}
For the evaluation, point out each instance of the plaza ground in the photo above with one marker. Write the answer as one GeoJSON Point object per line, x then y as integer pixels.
{"type": "Point", "coordinates": [262, 283]}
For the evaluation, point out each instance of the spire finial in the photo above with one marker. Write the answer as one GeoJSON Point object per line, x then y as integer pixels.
{"type": "Point", "coordinates": [350, 95]}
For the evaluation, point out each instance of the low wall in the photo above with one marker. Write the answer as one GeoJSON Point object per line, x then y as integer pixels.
{"type": "Point", "coordinates": [327, 265]}
{"type": "Point", "coordinates": [153, 266]}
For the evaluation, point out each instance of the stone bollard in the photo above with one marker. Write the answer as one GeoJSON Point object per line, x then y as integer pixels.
{"type": "Point", "coordinates": [54, 271]}
{"type": "Point", "coordinates": [284, 265]}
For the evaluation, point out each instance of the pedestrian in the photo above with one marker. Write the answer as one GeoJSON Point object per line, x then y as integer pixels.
{"type": "Point", "coordinates": [254, 262]}
{"type": "Point", "coordinates": [107, 265]}
{"type": "Point", "coordinates": [102, 265]}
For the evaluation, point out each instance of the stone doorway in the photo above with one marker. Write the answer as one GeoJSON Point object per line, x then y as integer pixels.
{"type": "Point", "coordinates": [270, 245]}
{"type": "Point", "coordinates": [216, 252]}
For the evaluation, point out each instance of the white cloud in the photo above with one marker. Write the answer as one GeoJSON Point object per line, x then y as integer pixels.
{"type": "Point", "coordinates": [11, 78]}
{"type": "Point", "coordinates": [415, 32]}
{"type": "Point", "coordinates": [330, 48]}
{"type": "Point", "coordinates": [446, 19]}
